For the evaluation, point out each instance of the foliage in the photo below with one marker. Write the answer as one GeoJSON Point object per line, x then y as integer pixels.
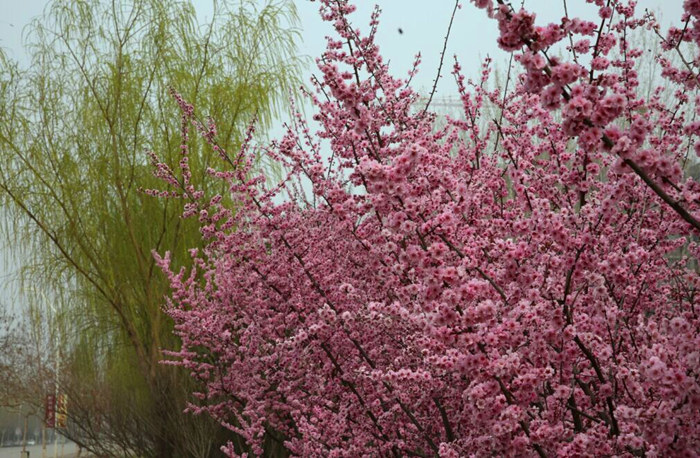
{"type": "Point", "coordinates": [10, 354]}
{"type": "Point", "coordinates": [509, 291]}
{"type": "Point", "coordinates": [74, 128]}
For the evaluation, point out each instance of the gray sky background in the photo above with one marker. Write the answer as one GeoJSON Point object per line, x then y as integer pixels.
{"type": "Point", "coordinates": [423, 22]}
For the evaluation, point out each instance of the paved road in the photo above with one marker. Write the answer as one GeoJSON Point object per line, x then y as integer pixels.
{"type": "Point", "coordinates": [70, 450]}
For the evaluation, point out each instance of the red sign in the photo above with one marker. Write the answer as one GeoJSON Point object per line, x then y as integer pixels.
{"type": "Point", "coordinates": [50, 411]}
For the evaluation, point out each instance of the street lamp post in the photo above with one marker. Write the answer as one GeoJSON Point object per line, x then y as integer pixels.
{"type": "Point", "coordinates": [58, 368]}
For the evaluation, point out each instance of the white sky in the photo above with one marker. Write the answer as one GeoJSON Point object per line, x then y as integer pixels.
{"type": "Point", "coordinates": [423, 22]}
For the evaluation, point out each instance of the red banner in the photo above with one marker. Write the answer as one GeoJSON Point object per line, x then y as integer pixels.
{"type": "Point", "coordinates": [50, 411]}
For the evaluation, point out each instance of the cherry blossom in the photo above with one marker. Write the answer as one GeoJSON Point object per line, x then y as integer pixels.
{"type": "Point", "coordinates": [517, 286]}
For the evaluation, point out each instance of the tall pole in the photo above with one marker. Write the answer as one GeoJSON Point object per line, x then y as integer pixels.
{"type": "Point", "coordinates": [55, 430]}
{"type": "Point", "coordinates": [58, 368]}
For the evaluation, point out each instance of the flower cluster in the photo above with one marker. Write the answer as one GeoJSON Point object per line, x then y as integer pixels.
{"type": "Point", "coordinates": [525, 286]}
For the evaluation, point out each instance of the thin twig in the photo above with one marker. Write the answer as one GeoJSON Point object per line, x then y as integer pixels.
{"type": "Point", "coordinates": [442, 58]}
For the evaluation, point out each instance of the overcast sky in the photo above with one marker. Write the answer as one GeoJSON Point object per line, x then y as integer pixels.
{"type": "Point", "coordinates": [423, 24]}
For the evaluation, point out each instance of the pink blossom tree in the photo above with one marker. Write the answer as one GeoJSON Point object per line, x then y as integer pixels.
{"type": "Point", "coordinates": [524, 289]}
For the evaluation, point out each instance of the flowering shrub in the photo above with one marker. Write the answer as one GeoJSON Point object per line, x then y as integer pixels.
{"type": "Point", "coordinates": [524, 289]}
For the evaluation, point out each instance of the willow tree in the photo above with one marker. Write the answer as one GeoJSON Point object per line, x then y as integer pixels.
{"type": "Point", "coordinates": [10, 348]}
{"type": "Point", "coordinates": [75, 125]}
